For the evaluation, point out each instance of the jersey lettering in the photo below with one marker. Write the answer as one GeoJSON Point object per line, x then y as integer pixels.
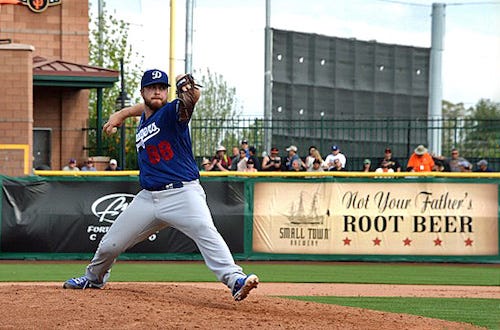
{"type": "Point", "coordinates": [162, 151]}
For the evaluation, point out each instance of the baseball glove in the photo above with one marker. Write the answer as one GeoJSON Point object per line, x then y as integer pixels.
{"type": "Point", "coordinates": [188, 92]}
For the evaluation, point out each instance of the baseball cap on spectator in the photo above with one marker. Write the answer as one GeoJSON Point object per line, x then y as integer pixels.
{"type": "Point", "coordinates": [113, 162]}
{"type": "Point", "coordinates": [72, 160]}
{"type": "Point", "coordinates": [244, 141]}
{"type": "Point", "coordinates": [274, 150]}
{"type": "Point", "coordinates": [367, 161]}
{"type": "Point", "coordinates": [464, 164]}
{"type": "Point", "coordinates": [250, 161]}
{"type": "Point", "coordinates": [387, 150]}
{"type": "Point", "coordinates": [335, 148]}
{"type": "Point", "coordinates": [252, 149]}
{"type": "Point", "coordinates": [292, 147]}
{"type": "Point", "coordinates": [482, 162]}
{"type": "Point", "coordinates": [205, 161]}
{"type": "Point", "coordinates": [420, 150]}
{"type": "Point", "coordinates": [221, 148]}
{"type": "Point", "coordinates": [154, 76]}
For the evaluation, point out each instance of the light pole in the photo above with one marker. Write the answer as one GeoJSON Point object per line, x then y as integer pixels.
{"type": "Point", "coordinates": [122, 101]}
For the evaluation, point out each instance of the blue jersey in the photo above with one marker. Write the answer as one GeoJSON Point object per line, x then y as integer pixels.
{"type": "Point", "coordinates": [164, 149]}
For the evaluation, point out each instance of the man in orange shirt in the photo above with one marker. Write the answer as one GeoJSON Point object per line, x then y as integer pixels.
{"type": "Point", "coordinates": [420, 161]}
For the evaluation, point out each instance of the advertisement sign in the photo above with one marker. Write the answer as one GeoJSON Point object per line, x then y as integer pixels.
{"type": "Point", "coordinates": [376, 218]}
{"type": "Point", "coordinates": [72, 217]}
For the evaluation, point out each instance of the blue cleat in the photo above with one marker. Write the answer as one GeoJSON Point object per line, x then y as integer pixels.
{"type": "Point", "coordinates": [244, 285]}
{"type": "Point", "coordinates": [81, 283]}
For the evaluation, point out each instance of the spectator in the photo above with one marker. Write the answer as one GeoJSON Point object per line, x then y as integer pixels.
{"type": "Point", "coordinates": [420, 161]}
{"type": "Point", "coordinates": [465, 166]}
{"type": "Point", "coordinates": [244, 146]}
{"type": "Point", "coordinates": [336, 154]}
{"type": "Point", "coordinates": [384, 168]}
{"type": "Point", "coordinates": [272, 162]}
{"type": "Point", "coordinates": [242, 162]}
{"type": "Point", "coordinates": [292, 155]}
{"type": "Point", "coordinates": [205, 164]}
{"type": "Point", "coordinates": [250, 166]}
{"type": "Point", "coordinates": [236, 155]}
{"type": "Point", "coordinates": [71, 166]}
{"type": "Point", "coordinates": [113, 166]}
{"type": "Point", "coordinates": [393, 163]}
{"type": "Point", "coordinates": [366, 165]}
{"type": "Point", "coordinates": [310, 157]}
{"type": "Point", "coordinates": [221, 161]}
{"type": "Point", "coordinates": [297, 165]}
{"type": "Point", "coordinates": [337, 166]}
{"type": "Point", "coordinates": [482, 166]}
{"type": "Point", "coordinates": [89, 165]}
{"type": "Point", "coordinates": [317, 166]}
{"type": "Point", "coordinates": [313, 156]}
{"type": "Point", "coordinates": [455, 160]}
{"type": "Point", "coordinates": [253, 155]}
{"type": "Point", "coordinates": [441, 165]}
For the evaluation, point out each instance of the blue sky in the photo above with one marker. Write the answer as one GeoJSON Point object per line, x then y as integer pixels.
{"type": "Point", "coordinates": [229, 37]}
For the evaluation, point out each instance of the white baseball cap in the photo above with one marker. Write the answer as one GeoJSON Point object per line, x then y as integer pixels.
{"type": "Point", "coordinates": [113, 162]}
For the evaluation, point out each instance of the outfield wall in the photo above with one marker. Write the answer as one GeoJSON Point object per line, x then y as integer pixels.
{"type": "Point", "coordinates": [335, 217]}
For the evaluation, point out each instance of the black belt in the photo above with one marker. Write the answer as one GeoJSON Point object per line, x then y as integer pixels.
{"type": "Point", "coordinates": [168, 186]}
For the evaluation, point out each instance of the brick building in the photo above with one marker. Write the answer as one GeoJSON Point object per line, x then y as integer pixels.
{"type": "Point", "coordinates": [44, 84]}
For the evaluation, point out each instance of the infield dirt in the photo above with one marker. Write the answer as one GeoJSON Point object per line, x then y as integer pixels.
{"type": "Point", "coordinates": [208, 306]}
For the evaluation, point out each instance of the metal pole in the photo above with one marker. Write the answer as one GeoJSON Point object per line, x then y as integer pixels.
{"type": "Point", "coordinates": [123, 128]}
{"type": "Point", "coordinates": [99, 122]}
{"type": "Point", "coordinates": [267, 79]}
{"type": "Point", "coordinates": [171, 94]}
{"type": "Point", "coordinates": [99, 22]}
{"type": "Point", "coordinates": [435, 81]}
{"type": "Point", "coordinates": [189, 36]}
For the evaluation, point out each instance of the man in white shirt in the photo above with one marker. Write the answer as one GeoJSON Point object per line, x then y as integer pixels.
{"type": "Point", "coordinates": [336, 154]}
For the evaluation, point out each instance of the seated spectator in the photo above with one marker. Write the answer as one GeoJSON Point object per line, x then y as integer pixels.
{"type": "Point", "coordinates": [482, 166]}
{"type": "Point", "coordinates": [384, 168]}
{"type": "Point", "coordinates": [420, 160]}
{"type": "Point", "coordinates": [336, 154]}
{"type": "Point", "coordinates": [242, 162]}
{"type": "Point", "coordinates": [313, 156]}
{"type": "Point", "coordinates": [337, 166]}
{"type": "Point", "coordinates": [253, 155]}
{"type": "Point", "coordinates": [454, 161]}
{"type": "Point", "coordinates": [221, 161]}
{"type": "Point", "coordinates": [366, 165]}
{"type": "Point", "coordinates": [465, 166]}
{"type": "Point", "coordinates": [113, 166]}
{"type": "Point", "coordinates": [205, 163]}
{"type": "Point", "coordinates": [71, 166]}
{"type": "Point", "coordinates": [272, 162]}
{"type": "Point", "coordinates": [250, 166]}
{"type": "Point", "coordinates": [297, 166]}
{"type": "Point", "coordinates": [292, 155]}
{"type": "Point", "coordinates": [441, 165]}
{"type": "Point", "coordinates": [89, 165]}
{"type": "Point", "coordinates": [317, 166]}
{"type": "Point", "coordinates": [393, 163]}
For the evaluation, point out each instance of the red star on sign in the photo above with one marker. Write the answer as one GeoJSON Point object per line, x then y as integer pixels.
{"type": "Point", "coordinates": [437, 242]}
{"type": "Point", "coordinates": [347, 241]}
{"type": "Point", "coordinates": [376, 241]}
{"type": "Point", "coordinates": [407, 241]}
{"type": "Point", "coordinates": [468, 242]}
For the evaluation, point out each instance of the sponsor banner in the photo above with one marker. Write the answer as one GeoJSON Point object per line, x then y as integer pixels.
{"type": "Point", "coordinates": [376, 218]}
{"type": "Point", "coordinates": [73, 216]}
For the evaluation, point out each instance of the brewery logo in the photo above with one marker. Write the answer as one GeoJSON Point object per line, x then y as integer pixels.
{"type": "Point", "coordinates": [39, 6]}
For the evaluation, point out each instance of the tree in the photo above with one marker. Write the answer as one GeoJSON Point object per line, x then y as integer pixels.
{"type": "Point", "coordinates": [453, 133]}
{"type": "Point", "coordinates": [484, 136]}
{"type": "Point", "coordinates": [108, 44]}
{"type": "Point", "coordinates": [212, 122]}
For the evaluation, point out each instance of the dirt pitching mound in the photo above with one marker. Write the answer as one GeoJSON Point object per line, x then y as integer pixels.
{"type": "Point", "coordinates": [171, 306]}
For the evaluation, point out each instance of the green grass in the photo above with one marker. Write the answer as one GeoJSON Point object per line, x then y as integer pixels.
{"type": "Point", "coordinates": [480, 312]}
{"type": "Point", "coordinates": [436, 274]}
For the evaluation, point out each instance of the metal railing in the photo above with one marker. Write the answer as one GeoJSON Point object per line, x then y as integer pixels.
{"type": "Point", "coordinates": [358, 138]}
